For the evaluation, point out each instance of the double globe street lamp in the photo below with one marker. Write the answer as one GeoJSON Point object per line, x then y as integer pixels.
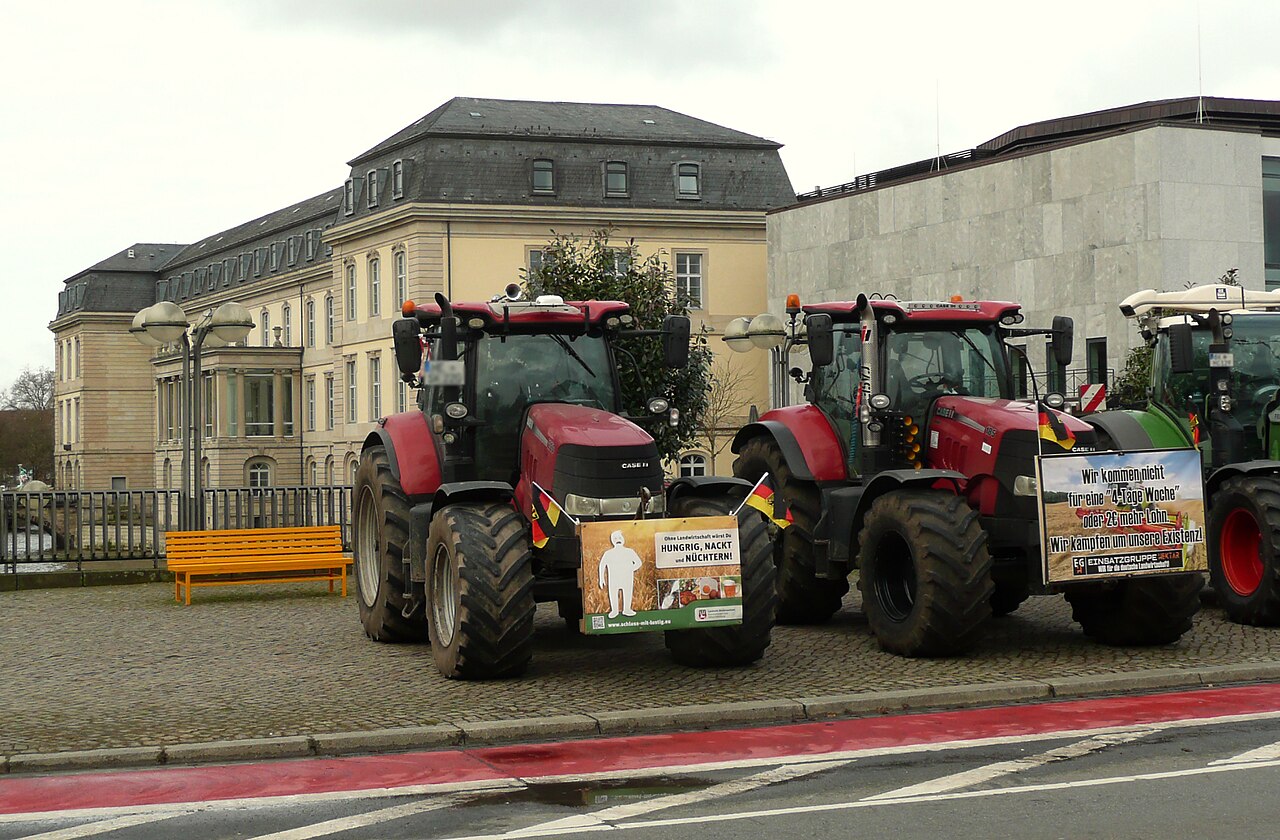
{"type": "Point", "coordinates": [767, 331]}
{"type": "Point", "coordinates": [166, 323]}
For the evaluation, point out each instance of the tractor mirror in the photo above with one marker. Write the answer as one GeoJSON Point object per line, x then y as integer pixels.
{"type": "Point", "coordinates": [1181, 359]}
{"type": "Point", "coordinates": [822, 349]}
{"type": "Point", "coordinates": [404, 335]}
{"type": "Point", "coordinates": [675, 341]}
{"type": "Point", "coordinates": [1064, 330]}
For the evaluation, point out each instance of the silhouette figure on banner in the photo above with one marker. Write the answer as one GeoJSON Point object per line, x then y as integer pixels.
{"type": "Point", "coordinates": [619, 565]}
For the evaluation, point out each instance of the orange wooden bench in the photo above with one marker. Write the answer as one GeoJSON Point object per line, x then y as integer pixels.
{"type": "Point", "coordinates": [255, 555]}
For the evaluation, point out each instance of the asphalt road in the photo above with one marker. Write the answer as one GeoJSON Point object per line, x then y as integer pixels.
{"type": "Point", "coordinates": [1173, 778]}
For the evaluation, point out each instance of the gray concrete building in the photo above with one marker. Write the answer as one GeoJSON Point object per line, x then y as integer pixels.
{"type": "Point", "coordinates": [1066, 216]}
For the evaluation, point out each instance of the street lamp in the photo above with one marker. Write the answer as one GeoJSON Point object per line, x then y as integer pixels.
{"type": "Point", "coordinates": [767, 331]}
{"type": "Point", "coordinates": [166, 323]}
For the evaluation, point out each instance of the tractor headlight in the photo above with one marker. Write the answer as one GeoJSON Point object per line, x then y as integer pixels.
{"type": "Point", "coordinates": [456, 410]}
{"type": "Point", "coordinates": [658, 405]}
{"type": "Point", "coordinates": [576, 505]}
{"type": "Point", "coordinates": [879, 401]}
{"type": "Point", "coordinates": [1055, 400]}
{"type": "Point", "coordinates": [1025, 485]}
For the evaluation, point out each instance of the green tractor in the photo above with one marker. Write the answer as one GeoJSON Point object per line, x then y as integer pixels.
{"type": "Point", "coordinates": [1215, 385]}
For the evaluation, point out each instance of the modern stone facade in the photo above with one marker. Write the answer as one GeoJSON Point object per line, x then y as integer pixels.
{"type": "Point", "coordinates": [1069, 225]}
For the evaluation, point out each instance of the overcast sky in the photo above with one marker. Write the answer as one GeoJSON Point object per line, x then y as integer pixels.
{"type": "Point", "coordinates": [143, 121]}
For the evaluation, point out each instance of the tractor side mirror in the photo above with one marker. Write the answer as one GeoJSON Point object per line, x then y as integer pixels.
{"type": "Point", "coordinates": [822, 350]}
{"type": "Point", "coordinates": [404, 335]}
{"type": "Point", "coordinates": [1181, 359]}
{"type": "Point", "coordinates": [675, 341]}
{"type": "Point", "coordinates": [1064, 331]}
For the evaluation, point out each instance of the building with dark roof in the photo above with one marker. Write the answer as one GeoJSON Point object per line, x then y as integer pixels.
{"type": "Point", "coordinates": [460, 201]}
{"type": "Point", "coordinates": [1066, 216]}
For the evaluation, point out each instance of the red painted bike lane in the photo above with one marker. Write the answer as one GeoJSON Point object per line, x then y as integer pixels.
{"type": "Point", "coordinates": [172, 785]}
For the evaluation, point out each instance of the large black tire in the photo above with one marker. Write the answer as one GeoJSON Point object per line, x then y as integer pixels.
{"type": "Point", "coordinates": [1137, 611]}
{"type": "Point", "coordinates": [480, 591]}
{"type": "Point", "coordinates": [803, 597]}
{"type": "Point", "coordinates": [1244, 531]}
{"type": "Point", "coordinates": [925, 573]}
{"type": "Point", "coordinates": [743, 643]}
{"type": "Point", "coordinates": [380, 531]}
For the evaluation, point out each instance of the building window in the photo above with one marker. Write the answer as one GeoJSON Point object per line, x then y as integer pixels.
{"type": "Point", "coordinates": [373, 188]}
{"type": "Point", "coordinates": [311, 403]}
{"type": "Point", "coordinates": [352, 466]}
{"type": "Point", "coordinates": [375, 287]}
{"type": "Point", "coordinates": [1271, 220]}
{"type": "Point", "coordinates": [259, 474]}
{"type": "Point", "coordinates": [309, 245]}
{"type": "Point", "coordinates": [246, 265]}
{"type": "Point", "coordinates": [693, 465]}
{"type": "Point", "coordinates": [328, 399]}
{"type": "Point", "coordinates": [286, 321]}
{"type": "Point", "coordinates": [351, 390]}
{"type": "Point", "coordinates": [207, 406]}
{"type": "Point", "coordinates": [621, 261]}
{"type": "Point", "coordinates": [266, 328]}
{"type": "Point", "coordinates": [402, 278]}
{"type": "Point", "coordinates": [328, 470]}
{"type": "Point", "coordinates": [615, 179]}
{"type": "Point", "coordinates": [259, 404]}
{"type": "Point", "coordinates": [402, 397]}
{"type": "Point", "coordinates": [688, 180]}
{"type": "Point", "coordinates": [311, 323]}
{"type": "Point", "coordinates": [544, 177]}
{"type": "Point", "coordinates": [233, 405]}
{"type": "Point", "coordinates": [275, 256]}
{"type": "Point", "coordinates": [286, 403]}
{"type": "Point", "coordinates": [397, 179]}
{"type": "Point", "coordinates": [293, 250]}
{"type": "Point", "coordinates": [77, 376]}
{"type": "Point", "coordinates": [689, 279]}
{"type": "Point", "coordinates": [1095, 356]}
{"type": "Point", "coordinates": [375, 387]}
{"type": "Point", "coordinates": [535, 261]}
{"type": "Point", "coordinates": [312, 471]}
{"type": "Point", "coordinates": [351, 292]}
{"type": "Point", "coordinates": [349, 197]}
{"type": "Point", "coordinates": [328, 320]}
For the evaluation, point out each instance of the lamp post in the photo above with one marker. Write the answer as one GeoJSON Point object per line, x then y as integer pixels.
{"type": "Point", "coordinates": [167, 323]}
{"type": "Point", "coordinates": [767, 331]}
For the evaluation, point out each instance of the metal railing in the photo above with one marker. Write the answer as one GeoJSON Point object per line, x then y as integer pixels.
{"type": "Point", "coordinates": [79, 526]}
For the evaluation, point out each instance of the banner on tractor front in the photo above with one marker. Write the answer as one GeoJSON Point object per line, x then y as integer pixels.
{"type": "Point", "coordinates": [1116, 514]}
{"type": "Point", "coordinates": [660, 574]}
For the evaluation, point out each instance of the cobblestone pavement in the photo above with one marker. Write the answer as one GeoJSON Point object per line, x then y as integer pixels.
{"type": "Point", "coordinates": [120, 666]}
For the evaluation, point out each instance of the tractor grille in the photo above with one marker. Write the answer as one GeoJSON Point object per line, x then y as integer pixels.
{"type": "Point", "coordinates": [607, 472]}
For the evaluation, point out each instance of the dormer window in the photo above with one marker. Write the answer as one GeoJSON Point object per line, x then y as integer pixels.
{"type": "Point", "coordinates": [615, 179]}
{"type": "Point", "coordinates": [349, 197]}
{"type": "Point", "coordinates": [373, 187]}
{"type": "Point", "coordinates": [397, 179]}
{"type": "Point", "coordinates": [293, 250]}
{"type": "Point", "coordinates": [688, 180]}
{"type": "Point", "coordinates": [544, 177]}
{"type": "Point", "coordinates": [275, 256]}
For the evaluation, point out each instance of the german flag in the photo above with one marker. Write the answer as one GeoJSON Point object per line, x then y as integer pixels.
{"type": "Point", "coordinates": [1195, 429]}
{"type": "Point", "coordinates": [548, 518]}
{"type": "Point", "coordinates": [763, 499]}
{"type": "Point", "coordinates": [1053, 429]}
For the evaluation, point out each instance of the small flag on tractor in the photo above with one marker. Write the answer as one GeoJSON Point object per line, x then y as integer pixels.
{"type": "Point", "coordinates": [1053, 429]}
{"type": "Point", "coordinates": [548, 519]}
{"type": "Point", "coordinates": [1195, 429]}
{"type": "Point", "coordinates": [763, 499]}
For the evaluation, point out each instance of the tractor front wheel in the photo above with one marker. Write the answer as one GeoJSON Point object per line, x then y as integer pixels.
{"type": "Point", "coordinates": [379, 536]}
{"type": "Point", "coordinates": [1137, 611]}
{"type": "Point", "coordinates": [925, 573]}
{"type": "Point", "coordinates": [480, 591]}
{"type": "Point", "coordinates": [803, 597]}
{"type": "Point", "coordinates": [1244, 528]}
{"type": "Point", "coordinates": [735, 644]}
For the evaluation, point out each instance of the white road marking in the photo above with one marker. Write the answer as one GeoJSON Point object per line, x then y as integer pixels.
{"type": "Point", "coordinates": [605, 816]}
{"type": "Point", "coordinates": [395, 812]}
{"type": "Point", "coordinates": [989, 772]}
{"type": "Point", "coordinates": [673, 769]}
{"type": "Point", "coordinates": [103, 826]}
{"type": "Point", "coordinates": [1266, 753]}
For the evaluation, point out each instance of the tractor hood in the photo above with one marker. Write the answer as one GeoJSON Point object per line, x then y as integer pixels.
{"type": "Point", "coordinates": [996, 416]}
{"type": "Point", "coordinates": [557, 424]}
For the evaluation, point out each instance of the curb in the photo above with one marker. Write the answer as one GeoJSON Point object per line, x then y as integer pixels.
{"type": "Point", "coordinates": [707, 716]}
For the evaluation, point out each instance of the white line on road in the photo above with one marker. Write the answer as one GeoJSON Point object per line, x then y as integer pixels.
{"type": "Point", "coordinates": [605, 816]}
{"type": "Point", "coordinates": [989, 772]}
{"type": "Point", "coordinates": [1267, 753]}
{"type": "Point", "coordinates": [395, 812]}
{"type": "Point", "coordinates": [103, 826]}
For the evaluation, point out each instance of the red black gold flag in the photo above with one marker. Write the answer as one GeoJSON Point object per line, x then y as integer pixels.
{"type": "Point", "coordinates": [763, 499]}
{"type": "Point", "coordinates": [548, 519]}
{"type": "Point", "coordinates": [1054, 430]}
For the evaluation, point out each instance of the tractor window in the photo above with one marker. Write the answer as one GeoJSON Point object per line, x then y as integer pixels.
{"type": "Point", "coordinates": [836, 385]}
{"type": "Point", "coordinates": [527, 369]}
{"type": "Point", "coordinates": [922, 365]}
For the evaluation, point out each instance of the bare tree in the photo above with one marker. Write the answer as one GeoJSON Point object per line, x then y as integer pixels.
{"type": "Point", "coordinates": [32, 390]}
{"type": "Point", "coordinates": [731, 387]}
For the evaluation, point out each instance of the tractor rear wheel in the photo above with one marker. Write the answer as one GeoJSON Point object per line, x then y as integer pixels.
{"type": "Point", "coordinates": [737, 644]}
{"type": "Point", "coordinates": [480, 591]}
{"type": "Point", "coordinates": [1244, 530]}
{"type": "Point", "coordinates": [380, 532]}
{"type": "Point", "coordinates": [925, 573]}
{"type": "Point", "coordinates": [803, 597]}
{"type": "Point", "coordinates": [1137, 611]}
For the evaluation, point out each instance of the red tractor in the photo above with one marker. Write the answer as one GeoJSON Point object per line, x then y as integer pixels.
{"type": "Point", "coordinates": [521, 425]}
{"type": "Point", "coordinates": [913, 462]}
